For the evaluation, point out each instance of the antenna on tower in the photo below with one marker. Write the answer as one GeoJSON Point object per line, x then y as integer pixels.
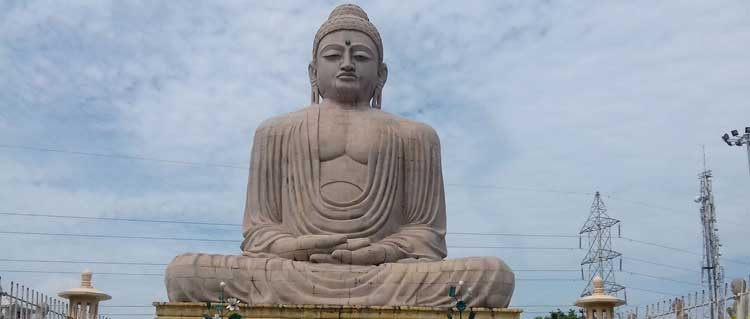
{"type": "Point", "coordinates": [711, 272]}
{"type": "Point", "coordinates": [600, 257]}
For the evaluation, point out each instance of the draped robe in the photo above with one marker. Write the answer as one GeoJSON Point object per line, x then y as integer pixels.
{"type": "Point", "coordinates": [401, 208]}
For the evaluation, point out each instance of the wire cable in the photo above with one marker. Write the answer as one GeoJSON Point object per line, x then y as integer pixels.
{"type": "Point", "coordinates": [660, 278]}
{"type": "Point", "coordinates": [278, 280]}
{"type": "Point", "coordinates": [643, 242]}
{"type": "Point", "coordinates": [652, 291]}
{"type": "Point", "coordinates": [78, 272]}
{"type": "Point", "coordinates": [122, 219]}
{"type": "Point", "coordinates": [120, 236]}
{"type": "Point", "coordinates": [121, 156]}
{"type": "Point", "coordinates": [93, 262]}
{"type": "Point", "coordinates": [238, 241]}
{"type": "Point", "coordinates": [245, 167]}
{"type": "Point", "coordinates": [659, 245]}
{"type": "Point", "coordinates": [97, 262]}
{"type": "Point", "coordinates": [166, 221]}
{"type": "Point", "coordinates": [660, 264]}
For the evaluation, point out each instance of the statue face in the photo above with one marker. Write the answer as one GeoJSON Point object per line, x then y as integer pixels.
{"type": "Point", "coordinates": [346, 67]}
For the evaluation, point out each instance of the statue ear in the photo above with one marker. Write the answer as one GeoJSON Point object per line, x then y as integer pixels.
{"type": "Point", "coordinates": [377, 99]}
{"type": "Point", "coordinates": [382, 74]}
{"type": "Point", "coordinates": [312, 72]}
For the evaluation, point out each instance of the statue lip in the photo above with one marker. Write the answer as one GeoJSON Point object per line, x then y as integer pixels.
{"type": "Point", "coordinates": [347, 76]}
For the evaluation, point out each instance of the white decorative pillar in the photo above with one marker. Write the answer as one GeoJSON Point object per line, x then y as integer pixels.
{"type": "Point", "coordinates": [84, 300]}
{"type": "Point", "coordinates": [599, 305]}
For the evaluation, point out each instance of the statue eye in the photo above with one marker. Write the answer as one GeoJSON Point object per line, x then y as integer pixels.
{"type": "Point", "coordinates": [361, 56]}
{"type": "Point", "coordinates": [331, 54]}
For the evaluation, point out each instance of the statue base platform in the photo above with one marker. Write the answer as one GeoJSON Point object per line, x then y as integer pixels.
{"type": "Point", "coordinates": [196, 310]}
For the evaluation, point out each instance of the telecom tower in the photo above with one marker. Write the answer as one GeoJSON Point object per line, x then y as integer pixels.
{"type": "Point", "coordinates": [712, 272]}
{"type": "Point", "coordinates": [600, 256]}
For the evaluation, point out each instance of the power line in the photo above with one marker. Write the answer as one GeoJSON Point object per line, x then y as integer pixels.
{"type": "Point", "coordinates": [518, 247]}
{"type": "Point", "coordinates": [545, 270]}
{"type": "Point", "coordinates": [128, 263]}
{"type": "Point", "coordinates": [94, 262]}
{"type": "Point", "coordinates": [120, 236]}
{"type": "Point", "coordinates": [515, 306]}
{"type": "Point", "coordinates": [679, 249]}
{"type": "Point", "coordinates": [659, 245]}
{"type": "Point", "coordinates": [126, 219]}
{"type": "Point", "coordinates": [660, 278]}
{"type": "Point", "coordinates": [652, 291]}
{"type": "Point", "coordinates": [735, 261]}
{"type": "Point", "coordinates": [120, 219]}
{"type": "Point", "coordinates": [121, 156]}
{"type": "Point", "coordinates": [660, 264]}
{"type": "Point", "coordinates": [245, 167]}
{"type": "Point", "coordinates": [165, 221]}
{"type": "Point", "coordinates": [514, 235]}
{"type": "Point", "coordinates": [279, 280]}
{"type": "Point", "coordinates": [78, 272]}
{"type": "Point", "coordinates": [519, 188]}
{"type": "Point", "coordinates": [538, 306]}
{"type": "Point", "coordinates": [238, 241]}
{"type": "Point", "coordinates": [644, 204]}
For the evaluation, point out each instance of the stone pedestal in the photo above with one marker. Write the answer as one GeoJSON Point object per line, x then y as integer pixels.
{"type": "Point", "coordinates": [196, 310]}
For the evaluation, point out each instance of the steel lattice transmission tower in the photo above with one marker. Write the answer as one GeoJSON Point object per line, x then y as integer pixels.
{"type": "Point", "coordinates": [712, 272]}
{"type": "Point", "coordinates": [600, 256]}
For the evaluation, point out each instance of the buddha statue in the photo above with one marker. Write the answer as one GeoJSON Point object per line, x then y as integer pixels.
{"type": "Point", "coordinates": [345, 202]}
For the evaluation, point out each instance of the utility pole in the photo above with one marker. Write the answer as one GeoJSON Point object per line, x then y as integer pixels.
{"type": "Point", "coordinates": [738, 140]}
{"type": "Point", "coordinates": [711, 272]}
{"type": "Point", "coordinates": [600, 256]}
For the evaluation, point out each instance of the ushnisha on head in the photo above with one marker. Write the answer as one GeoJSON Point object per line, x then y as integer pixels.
{"type": "Point", "coordinates": [347, 65]}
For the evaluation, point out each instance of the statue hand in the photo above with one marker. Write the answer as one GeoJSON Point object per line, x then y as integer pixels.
{"type": "Point", "coordinates": [323, 259]}
{"type": "Point", "coordinates": [354, 244]}
{"type": "Point", "coordinates": [320, 241]}
{"type": "Point", "coordinates": [350, 245]}
{"type": "Point", "coordinates": [370, 255]}
{"type": "Point", "coordinates": [301, 248]}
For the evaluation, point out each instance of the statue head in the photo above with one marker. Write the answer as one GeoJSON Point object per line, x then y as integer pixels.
{"type": "Point", "coordinates": [347, 64]}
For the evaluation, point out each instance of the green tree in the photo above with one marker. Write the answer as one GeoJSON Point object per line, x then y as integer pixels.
{"type": "Point", "coordinates": [571, 314]}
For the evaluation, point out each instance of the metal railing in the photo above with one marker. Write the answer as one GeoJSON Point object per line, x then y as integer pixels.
{"type": "Point", "coordinates": [21, 302]}
{"type": "Point", "coordinates": [696, 305]}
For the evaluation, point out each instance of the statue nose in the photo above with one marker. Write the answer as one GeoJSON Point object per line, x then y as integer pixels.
{"type": "Point", "coordinates": [346, 64]}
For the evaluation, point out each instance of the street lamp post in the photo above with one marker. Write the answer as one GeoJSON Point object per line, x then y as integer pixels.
{"type": "Point", "coordinates": [738, 140]}
{"type": "Point", "coordinates": [460, 298]}
{"type": "Point", "coordinates": [225, 306]}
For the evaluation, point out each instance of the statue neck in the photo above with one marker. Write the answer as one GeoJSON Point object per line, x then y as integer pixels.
{"type": "Point", "coordinates": [362, 105]}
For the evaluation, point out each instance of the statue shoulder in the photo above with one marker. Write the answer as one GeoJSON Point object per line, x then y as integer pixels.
{"type": "Point", "coordinates": [280, 121]}
{"type": "Point", "coordinates": [419, 130]}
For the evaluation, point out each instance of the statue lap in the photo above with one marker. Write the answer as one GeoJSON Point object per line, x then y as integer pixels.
{"type": "Point", "coordinates": [253, 280]}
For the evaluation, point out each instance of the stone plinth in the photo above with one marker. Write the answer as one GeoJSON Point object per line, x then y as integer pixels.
{"type": "Point", "coordinates": [196, 310]}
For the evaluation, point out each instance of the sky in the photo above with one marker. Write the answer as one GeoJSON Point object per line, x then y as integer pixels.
{"type": "Point", "coordinates": [146, 110]}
